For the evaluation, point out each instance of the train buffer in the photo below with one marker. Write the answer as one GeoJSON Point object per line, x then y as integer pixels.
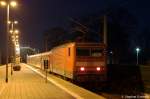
{"type": "Point", "coordinates": [27, 84]}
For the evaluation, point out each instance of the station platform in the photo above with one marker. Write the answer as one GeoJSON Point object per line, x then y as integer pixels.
{"type": "Point", "coordinates": [30, 83]}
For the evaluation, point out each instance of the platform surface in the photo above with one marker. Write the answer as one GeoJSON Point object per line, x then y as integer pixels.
{"type": "Point", "coordinates": [27, 84]}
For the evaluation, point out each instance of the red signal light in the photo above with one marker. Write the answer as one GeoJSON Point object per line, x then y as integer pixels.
{"type": "Point", "coordinates": [82, 68]}
{"type": "Point", "coordinates": [98, 68]}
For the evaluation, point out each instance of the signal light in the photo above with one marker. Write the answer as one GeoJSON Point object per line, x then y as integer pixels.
{"type": "Point", "coordinates": [82, 68]}
{"type": "Point", "coordinates": [98, 68]}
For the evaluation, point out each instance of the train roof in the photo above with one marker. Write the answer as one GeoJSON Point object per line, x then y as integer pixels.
{"type": "Point", "coordinates": [40, 54]}
{"type": "Point", "coordinates": [78, 44]}
{"type": "Point", "coordinates": [63, 45]}
{"type": "Point", "coordinates": [87, 44]}
{"type": "Point", "coordinates": [90, 44]}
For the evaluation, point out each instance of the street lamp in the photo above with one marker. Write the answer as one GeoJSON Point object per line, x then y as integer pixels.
{"type": "Point", "coordinates": [16, 31]}
{"type": "Point", "coordinates": [13, 3]}
{"type": "Point", "coordinates": [3, 3]}
{"type": "Point", "coordinates": [12, 25]}
{"type": "Point", "coordinates": [7, 4]}
{"type": "Point", "coordinates": [137, 55]}
{"type": "Point", "coordinates": [16, 44]}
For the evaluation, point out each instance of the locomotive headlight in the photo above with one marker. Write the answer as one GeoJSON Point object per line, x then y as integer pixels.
{"type": "Point", "coordinates": [82, 68]}
{"type": "Point", "coordinates": [98, 68]}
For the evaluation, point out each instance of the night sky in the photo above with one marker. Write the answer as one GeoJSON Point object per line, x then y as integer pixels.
{"type": "Point", "coordinates": [37, 16]}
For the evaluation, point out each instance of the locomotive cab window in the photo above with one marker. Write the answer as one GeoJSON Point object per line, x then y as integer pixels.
{"type": "Point", "coordinates": [89, 52]}
{"type": "Point", "coordinates": [82, 52]}
{"type": "Point", "coordinates": [96, 52]}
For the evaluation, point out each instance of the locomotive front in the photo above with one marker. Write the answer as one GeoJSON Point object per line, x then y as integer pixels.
{"type": "Point", "coordinates": [90, 64]}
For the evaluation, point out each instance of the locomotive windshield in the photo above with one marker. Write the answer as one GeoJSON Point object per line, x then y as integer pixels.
{"type": "Point", "coordinates": [83, 52]}
{"type": "Point", "coordinates": [96, 52]}
{"type": "Point", "coordinates": [89, 52]}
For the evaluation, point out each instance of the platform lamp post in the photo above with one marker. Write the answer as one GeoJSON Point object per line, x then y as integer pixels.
{"type": "Point", "coordinates": [12, 33]}
{"type": "Point", "coordinates": [137, 55]}
{"type": "Point", "coordinates": [7, 3]}
{"type": "Point", "coordinates": [15, 40]}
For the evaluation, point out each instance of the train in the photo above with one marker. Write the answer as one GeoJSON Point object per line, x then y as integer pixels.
{"type": "Point", "coordinates": [76, 61]}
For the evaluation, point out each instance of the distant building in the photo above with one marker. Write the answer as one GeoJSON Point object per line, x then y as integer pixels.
{"type": "Point", "coordinates": [24, 51]}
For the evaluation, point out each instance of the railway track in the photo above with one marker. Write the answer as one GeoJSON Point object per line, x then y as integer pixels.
{"type": "Point", "coordinates": [125, 81]}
